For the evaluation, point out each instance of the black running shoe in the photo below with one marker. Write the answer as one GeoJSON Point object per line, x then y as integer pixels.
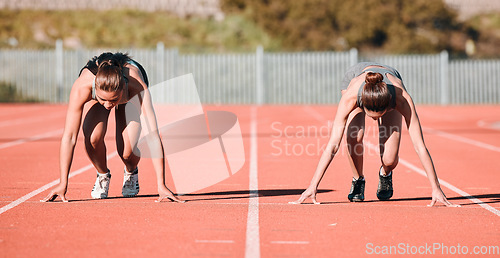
{"type": "Point", "coordinates": [384, 191]}
{"type": "Point", "coordinates": [357, 193]}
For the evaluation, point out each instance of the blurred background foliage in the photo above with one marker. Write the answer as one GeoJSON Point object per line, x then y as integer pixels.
{"type": "Point", "coordinates": [8, 93]}
{"type": "Point", "coordinates": [371, 26]}
{"type": "Point", "coordinates": [127, 29]}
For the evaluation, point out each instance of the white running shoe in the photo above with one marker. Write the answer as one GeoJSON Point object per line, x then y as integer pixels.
{"type": "Point", "coordinates": [130, 183]}
{"type": "Point", "coordinates": [101, 186]}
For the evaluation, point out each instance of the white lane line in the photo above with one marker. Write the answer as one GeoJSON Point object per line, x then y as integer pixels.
{"type": "Point", "coordinates": [30, 139]}
{"type": "Point", "coordinates": [462, 139]}
{"type": "Point", "coordinates": [214, 241]}
{"type": "Point", "coordinates": [444, 183]}
{"type": "Point", "coordinates": [47, 186]}
{"type": "Point", "coordinates": [252, 246]}
{"type": "Point", "coordinates": [290, 242]}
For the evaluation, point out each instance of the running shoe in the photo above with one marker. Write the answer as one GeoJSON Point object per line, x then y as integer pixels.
{"type": "Point", "coordinates": [130, 183]}
{"type": "Point", "coordinates": [384, 190]}
{"type": "Point", "coordinates": [101, 186]}
{"type": "Point", "coordinates": [357, 193]}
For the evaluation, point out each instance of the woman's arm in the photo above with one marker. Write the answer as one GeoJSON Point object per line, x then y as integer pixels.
{"type": "Point", "coordinates": [77, 100]}
{"type": "Point", "coordinates": [346, 105]}
{"type": "Point", "coordinates": [156, 146]}
{"type": "Point", "coordinates": [154, 140]}
{"type": "Point", "coordinates": [407, 109]}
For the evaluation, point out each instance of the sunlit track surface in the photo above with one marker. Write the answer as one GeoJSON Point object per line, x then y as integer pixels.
{"type": "Point", "coordinates": [215, 221]}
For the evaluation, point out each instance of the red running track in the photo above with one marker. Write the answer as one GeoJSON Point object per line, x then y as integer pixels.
{"type": "Point", "coordinates": [282, 146]}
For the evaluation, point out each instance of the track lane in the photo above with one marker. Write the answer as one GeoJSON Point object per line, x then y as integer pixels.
{"type": "Point", "coordinates": [214, 222]}
{"type": "Point", "coordinates": [341, 228]}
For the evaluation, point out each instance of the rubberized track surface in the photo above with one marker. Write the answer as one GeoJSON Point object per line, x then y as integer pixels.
{"type": "Point", "coordinates": [232, 218]}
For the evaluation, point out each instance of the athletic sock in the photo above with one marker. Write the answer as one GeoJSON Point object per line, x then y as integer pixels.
{"type": "Point", "coordinates": [362, 178]}
{"type": "Point", "coordinates": [104, 173]}
{"type": "Point", "coordinates": [135, 171]}
{"type": "Point", "coordinates": [382, 174]}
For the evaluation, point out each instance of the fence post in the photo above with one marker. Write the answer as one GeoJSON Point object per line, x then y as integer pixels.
{"type": "Point", "coordinates": [159, 95]}
{"type": "Point", "coordinates": [353, 56]}
{"type": "Point", "coordinates": [445, 89]}
{"type": "Point", "coordinates": [259, 92]}
{"type": "Point", "coordinates": [160, 61]}
{"type": "Point", "coordinates": [59, 70]}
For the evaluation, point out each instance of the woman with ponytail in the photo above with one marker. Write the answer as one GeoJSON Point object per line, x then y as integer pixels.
{"type": "Point", "coordinates": [108, 81]}
{"type": "Point", "coordinates": [377, 91]}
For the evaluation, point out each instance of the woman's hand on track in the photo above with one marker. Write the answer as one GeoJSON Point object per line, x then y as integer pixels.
{"type": "Point", "coordinates": [59, 190]}
{"type": "Point", "coordinates": [165, 193]}
{"type": "Point", "coordinates": [438, 196]}
{"type": "Point", "coordinates": [308, 193]}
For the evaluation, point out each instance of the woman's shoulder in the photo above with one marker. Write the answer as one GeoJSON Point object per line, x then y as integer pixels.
{"type": "Point", "coordinates": [82, 86]}
{"type": "Point", "coordinates": [355, 84]}
{"type": "Point", "coordinates": [350, 95]}
{"type": "Point", "coordinates": [403, 99]}
{"type": "Point", "coordinates": [85, 76]}
{"type": "Point", "coordinates": [134, 75]}
{"type": "Point", "coordinates": [395, 80]}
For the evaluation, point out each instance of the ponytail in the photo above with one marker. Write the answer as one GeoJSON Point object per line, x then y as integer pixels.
{"type": "Point", "coordinates": [109, 62]}
{"type": "Point", "coordinates": [375, 95]}
{"type": "Point", "coordinates": [109, 75]}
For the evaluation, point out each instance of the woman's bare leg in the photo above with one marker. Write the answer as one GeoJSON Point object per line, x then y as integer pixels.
{"type": "Point", "coordinates": [94, 129]}
{"type": "Point", "coordinates": [389, 139]}
{"type": "Point", "coordinates": [354, 137]}
{"type": "Point", "coordinates": [127, 136]}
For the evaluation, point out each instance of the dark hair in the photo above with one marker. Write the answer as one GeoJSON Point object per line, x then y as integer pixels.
{"type": "Point", "coordinates": [109, 76]}
{"type": "Point", "coordinates": [375, 96]}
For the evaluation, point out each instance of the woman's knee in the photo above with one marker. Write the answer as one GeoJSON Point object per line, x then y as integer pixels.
{"type": "Point", "coordinates": [390, 161]}
{"type": "Point", "coordinates": [355, 136]}
{"type": "Point", "coordinates": [94, 140]}
{"type": "Point", "coordinates": [128, 155]}
{"type": "Point", "coordinates": [94, 136]}
{"type": "Point", "coordinates": [355, 142]}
